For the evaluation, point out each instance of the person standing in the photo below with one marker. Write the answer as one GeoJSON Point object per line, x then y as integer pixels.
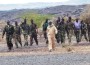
{"type": "Point", "coordinates": [25, 30]}
{"type": "Point", "coordinates": [61, 32]}
{"type": "Point", "coordinates": [69, 29]}
{"type": "Point", "coordinates": [51, 31]}
{"type": "Point", "coordinates": [17, 34]}
{"type": "Point", "coordinates": [8, 30]}
{"type": "Point", "coordinates": [77, 29]}
{"type": "Point", "coordinates": [83, 30]}
{"type": "Point", "coordinates": [33, 33]}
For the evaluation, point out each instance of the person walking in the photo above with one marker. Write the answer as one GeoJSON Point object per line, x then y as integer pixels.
{"type": "Point", "coordinates": [9, 31]}
{"type": "Point", "coordinates": [33, 33]}
{"type": "Point", "coordinates": [51, 32]}
{"type": "Point", "coordinates": [17, 34]}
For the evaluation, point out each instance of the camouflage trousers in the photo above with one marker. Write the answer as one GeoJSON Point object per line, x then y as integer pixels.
{"type": "Point", "coordinates": [33, 36]}
{"type": "Point", "coordinates": [83, 33]}
{"type": "Point", "coordinates": [77, 34]}
{"type": "Point", "coordinates": [69, 35]}
{"type": "Point", "coordinates": [26, 39]}
{"type": "Point", "coordinates": [61, 37]}
{"type": "Point", "coordinates": [18, 40]}
{"type": "Point", "coordinates": [9, 42]}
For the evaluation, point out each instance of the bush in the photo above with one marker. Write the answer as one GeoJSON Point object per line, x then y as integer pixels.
{"type": "Point", "coordinates": [39, 19]}
{"type": "Point", "coordinates": [85, 15]}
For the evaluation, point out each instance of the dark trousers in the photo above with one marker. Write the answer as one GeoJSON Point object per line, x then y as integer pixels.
{"type": "Point", "coordinates": [83, 33]}
{"type": "Point", "coordinates": [33, 36]}
{"type": "Point", "coordinates": [89, 36]}
{"type": "Point", "coordinates": [45, 36]}
{"type": "Point", "coordinates": [61, 37]}
{"type": "Point", "coordinates": [9, 42]}
{"type": "Point", "coordinates": [18, 39]}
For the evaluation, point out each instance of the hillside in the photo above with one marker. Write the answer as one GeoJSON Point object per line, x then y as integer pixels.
{"type": "Point", "coordinates": [39, 15]}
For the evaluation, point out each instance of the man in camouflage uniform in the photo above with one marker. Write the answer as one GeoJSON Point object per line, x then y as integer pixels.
{"type": "Point", "coordinates": [9, 30]}
{"type": "Point", "coordinates": [45, 25]}
{"type": "Point", "coordinates": [57, 24]}
{"type": "Point", "coordinates": [77, 30]}
{"type": "Point", "coordinates": [17, 34]}
{"type": "Point", "coordinates": [25, 31]}
{"type": "Point", "coordinates": [83, 30]}
{"type": "Point", "coordinates": [33, 32]}
{"type": "Point", "coordinates": [61, 31]}
{"type": "Point", "coordinates": [69, 29]}
{"type": "Point", "coordinates": [88, 28]}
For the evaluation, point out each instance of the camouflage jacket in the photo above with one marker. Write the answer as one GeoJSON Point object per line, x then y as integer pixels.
{"type": "Point", "coordinates": [9, 30]}
{"type": "Point", "coordinates": [61, 27]}
{"type": "Point", "coordinates": [33, 28]}
{"type": "Point", "coordinates": [69, 26]}
{"type": "Point", "coordinates": [88, 27]}
{"type": "Point", "coordinates": [17, 30]}
{"type": "Point", "coordinates": [83, 26]}
{"type": "Point", "coordinates": [25, 28]}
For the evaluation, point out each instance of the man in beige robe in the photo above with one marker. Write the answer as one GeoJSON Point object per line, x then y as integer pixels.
{"type": "Point", "coordinates": [51, 31]}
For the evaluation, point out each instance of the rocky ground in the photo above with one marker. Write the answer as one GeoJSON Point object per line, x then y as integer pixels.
{"type": "Point", "coordinates": [39, 55]}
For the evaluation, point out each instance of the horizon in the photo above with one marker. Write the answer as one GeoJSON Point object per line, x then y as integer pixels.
{"type": "Point", "coordinates": [37, 4]}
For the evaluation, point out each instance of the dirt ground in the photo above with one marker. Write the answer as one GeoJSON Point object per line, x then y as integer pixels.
{"type": "Point", "coordinates": [42, 49]}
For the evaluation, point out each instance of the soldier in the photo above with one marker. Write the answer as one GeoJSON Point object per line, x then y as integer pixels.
{"type": "Point", "coordinates": [45, 25]}
{"type": "Point", "coordinates": [83, 30]}
{"type": "Point", "coordinates": [57, 24]}
{"type": "Point", "coordinates": [61, 32]}
{"type": "Point", "coordinates": [9, 30]}
{"type": "Point", "coordinates": [25, 29]}
{"type": "Point", "coordinates": [17, 34]}
{"type": "Point", "coordinates": [77, 29]}
{"type": "Point", "coordinates": [51, 31]}
{"type": "Point", "coordinates": [33, 32]}
{"type": "Point", "coordinates": [88, 29]}
{"type": "Point", "coordinates": [69, 29]}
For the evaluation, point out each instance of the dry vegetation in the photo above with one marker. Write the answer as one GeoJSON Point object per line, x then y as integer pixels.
{"type": "Point", "coordinates": [85, 15]}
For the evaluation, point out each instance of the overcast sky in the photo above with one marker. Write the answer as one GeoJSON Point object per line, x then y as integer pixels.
{"type": "Point", "coordinates": [19, 4]}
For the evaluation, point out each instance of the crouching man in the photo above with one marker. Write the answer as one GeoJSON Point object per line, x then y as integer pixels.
{"type": "Point", "coordinates": [51, 31]}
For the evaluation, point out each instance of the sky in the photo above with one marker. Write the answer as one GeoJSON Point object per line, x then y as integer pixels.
{"type": "Point", "coordinates": [33, 4]}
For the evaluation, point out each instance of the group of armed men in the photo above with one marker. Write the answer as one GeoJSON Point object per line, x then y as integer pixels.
{"type": "Point", "coordinates": [60, 29]}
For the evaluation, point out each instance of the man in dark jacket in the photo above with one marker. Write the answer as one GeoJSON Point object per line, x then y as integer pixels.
{"type": "Point", "coordinates": [61, 32]}
{"type": "Point", "coordinates": [33, 33]}
{"type": "Point", "coordinates": [17, 34]}
{"type": "Point", "coordinates": [88, 29]}
{"type": "Point", "coordinates": [8, 30]}
{"type": "Point", "coordinates": [83, 30]}
{"type": "Point", "coordinates": [45, 25]}
{"type": "Point", "coordinates": [69, 29]}
{"type": "Point", "coordinates": [25, 31]}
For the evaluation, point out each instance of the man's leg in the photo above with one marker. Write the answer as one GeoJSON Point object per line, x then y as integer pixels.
{"type": "Point", "coordinates": [26, 40]}
{"type": "Point", "coordinates": [16, 41]}
{"type": "Point", "coordinates": [35, 38]}
{"type": "Point", "coordinates": [31, 40]}
{"type": "Point", "coordinates": [19, 40]}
